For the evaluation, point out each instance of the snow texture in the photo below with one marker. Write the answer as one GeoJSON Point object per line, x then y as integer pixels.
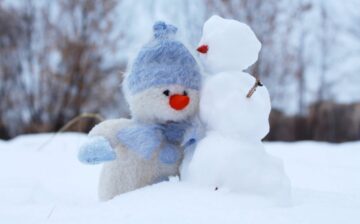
{"type": "Point", "coordinates": [49, 185]}
{"type": "Point", "coordinates": [224, 95]}
{"type": "Point", "coordinates": [222, 37]}
{"type": "Point", "coordinates": [232, 156]}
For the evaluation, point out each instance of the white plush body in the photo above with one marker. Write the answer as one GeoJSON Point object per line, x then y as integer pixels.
{"type": "Point", "coordinates": [232, 156]}
{"type": "Point", "coordinates": [151, 106]}
{"type": "Point", "coordinates": [129, 171]}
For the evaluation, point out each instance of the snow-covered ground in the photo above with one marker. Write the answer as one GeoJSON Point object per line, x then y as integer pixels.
{"type": "Point", "coordinates": [48, 185]}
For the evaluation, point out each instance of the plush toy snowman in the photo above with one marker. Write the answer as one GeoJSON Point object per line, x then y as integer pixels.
{"type": "Point", "coordinates": [162, 90]}
{"type": "Point", "coordinates": [235, 108]}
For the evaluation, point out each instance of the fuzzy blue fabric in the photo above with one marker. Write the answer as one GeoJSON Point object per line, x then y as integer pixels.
{"type": "Point", "coordinates": [193, 134]}
{"type": "Point", "coordinates": [164, 61]}
{"type": "Point", "coordinates": [144, 139]}
{"type": "Point", "coordinates": [141, 138]}
{"type": "Point", "coordinates": [169, 154]}
{"type": "Point", "coordinates": [96, 150]}
{"type": "Point", "coordinates": [174, 131]}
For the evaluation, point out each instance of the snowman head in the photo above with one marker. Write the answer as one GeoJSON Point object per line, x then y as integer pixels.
{"type": "Point", "coordinates": [164, 81]}
{"type": "Point", "coordinates": [227, 45]}
{"type": "Point", "coordinates": [226, 109]}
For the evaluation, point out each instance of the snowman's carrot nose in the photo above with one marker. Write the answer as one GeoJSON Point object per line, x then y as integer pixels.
{"type": "Point", "coordinates": [203, 49]}
{"type": "Point", "coordinates": [179, 102]}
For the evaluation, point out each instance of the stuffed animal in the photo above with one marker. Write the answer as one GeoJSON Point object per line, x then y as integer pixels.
{"type": "Point", "coordinates": [162, 90]}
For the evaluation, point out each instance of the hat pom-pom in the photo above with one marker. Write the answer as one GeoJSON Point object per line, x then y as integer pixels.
{"type": "Point", "coordinates": [163, 30]}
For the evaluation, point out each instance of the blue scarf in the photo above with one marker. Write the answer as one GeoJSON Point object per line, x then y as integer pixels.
{"type": "Point", "coordinates": [144, 139]}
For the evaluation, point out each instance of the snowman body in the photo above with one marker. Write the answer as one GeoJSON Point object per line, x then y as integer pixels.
{"type": "Point", "coordinates": [231, 155]}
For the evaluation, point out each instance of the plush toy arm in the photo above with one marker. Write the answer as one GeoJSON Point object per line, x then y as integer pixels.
{"type": "Point", "coordinates": [96, 150]}
{"type": "Point", "coordinates": [193, 134]}
{"type": "Point", "coordinates": [142, 139]}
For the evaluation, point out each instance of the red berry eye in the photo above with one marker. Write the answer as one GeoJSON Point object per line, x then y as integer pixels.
{"type": "Point", "coordinates": [203, 49]}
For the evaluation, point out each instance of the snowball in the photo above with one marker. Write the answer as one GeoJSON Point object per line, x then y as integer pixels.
{"type": "Point", "coordinates": [231, 45]}
{"type": "Point", "coordinates": [244, 167]}
{"type": "Point", "coordinates": [224, 106]}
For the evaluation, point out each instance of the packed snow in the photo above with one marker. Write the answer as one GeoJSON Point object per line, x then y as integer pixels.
{"type": "Point", "coordinates": [232, 45]}
{"type": "Point", "coordinates": [231, 155]}
{"type": "Point", "coordinates": [42, 181]}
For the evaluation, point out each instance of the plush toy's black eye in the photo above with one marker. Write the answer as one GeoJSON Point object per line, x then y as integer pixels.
{"type": "Point", "coordinates": [166, 92]}
{"type": "Point", "coordinates": [185, 93]}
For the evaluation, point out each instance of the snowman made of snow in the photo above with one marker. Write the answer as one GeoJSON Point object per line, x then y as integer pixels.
{"type": "Point", "coordinates": [234, 107]}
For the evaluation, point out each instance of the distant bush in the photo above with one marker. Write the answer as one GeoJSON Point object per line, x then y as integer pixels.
{"type": "Point", "coordinates": [325, 121]}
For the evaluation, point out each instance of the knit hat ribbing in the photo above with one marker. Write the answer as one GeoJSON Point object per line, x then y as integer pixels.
{"type": "Point", "coordinates": [163, 61]}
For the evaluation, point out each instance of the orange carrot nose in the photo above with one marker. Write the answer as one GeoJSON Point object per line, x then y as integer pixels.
{"type": "Point", "coordinates": [179, 102]}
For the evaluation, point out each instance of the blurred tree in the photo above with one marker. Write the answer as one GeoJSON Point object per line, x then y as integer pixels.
{"type": "Point", "coordinates": [57, 60]}
{"type": "Point", "coordinates": [61, 58]}
{"type": "Point", "coordinates": [81, 80]}
{"type": "Point", "coordinates": [11, 85]}
{"type": "Point", "coordinates": [272, 25]}
{"type": "Point", "coordinates": [303, 63]}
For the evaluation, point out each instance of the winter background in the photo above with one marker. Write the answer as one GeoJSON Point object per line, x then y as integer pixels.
{"type": "Point", "coordinates": [63, 58]}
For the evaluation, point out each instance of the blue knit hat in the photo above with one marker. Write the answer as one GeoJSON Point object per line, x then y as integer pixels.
{"type": "Point", "coordinates": [163, 61]}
